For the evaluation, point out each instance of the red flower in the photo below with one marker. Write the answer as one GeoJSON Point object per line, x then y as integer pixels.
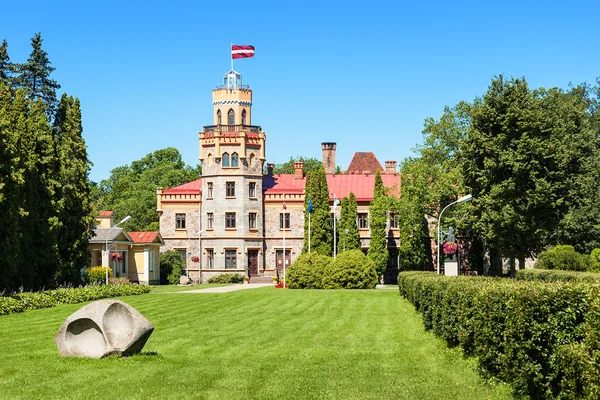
{"type": "Point", "coordinates": [449, 248]}
{"type": "Point", "coordinates": [195, 259]}
{"type": "Point", "coordinates": [116, 256]}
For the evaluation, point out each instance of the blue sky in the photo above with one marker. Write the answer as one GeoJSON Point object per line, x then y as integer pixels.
{"type": "Point", "coordinates": [362, 74]}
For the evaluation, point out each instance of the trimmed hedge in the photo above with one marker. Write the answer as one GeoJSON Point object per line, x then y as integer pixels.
{"type": "Point", "coordinates": [307, 271]}
{"type": "Point", "coordinates": [226, 278]}
{"type": "Point", "coordinates": [550, 275]}
{"type": "Point", "coordinates": [350, 270]}
{"type": "Point", "coordinates": [542, 337]}
{"type": "Point", "coordinates": [51, 298]}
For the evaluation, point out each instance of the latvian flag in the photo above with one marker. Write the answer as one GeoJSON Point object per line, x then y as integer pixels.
{"type": "Point", "coordinates": [241, 51]}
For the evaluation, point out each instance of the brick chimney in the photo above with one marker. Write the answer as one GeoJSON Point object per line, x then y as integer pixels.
{"type": "Point", "coordinates": [298, 165]}
{"type": "Point", "coordinates": [390, 167]}
{"type": "Point", "coordinates": [270, 167]}
{"type": "Point", "coordinates": [328, 156]}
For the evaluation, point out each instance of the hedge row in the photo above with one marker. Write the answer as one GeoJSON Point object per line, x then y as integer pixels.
{"type": "Point", "coordinates": [51, 298]}
{"type": "Point", "coordinates": [543, 338]}
{"type": "Point", "coordinates": [226, 278]}
{"type": "Point", "coordinates": [550, 275]}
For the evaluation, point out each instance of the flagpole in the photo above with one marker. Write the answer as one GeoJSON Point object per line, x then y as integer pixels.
{"type": "Point", "coordinates": [231, 54]}
{"type": "Point", "coordinates": [284, 258]}
{"type": "Point", "coordinates": [309, 232]}
{"type": "Point", "coordinates": [334, 235]}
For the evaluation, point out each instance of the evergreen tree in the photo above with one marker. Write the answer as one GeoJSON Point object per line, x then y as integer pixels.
{"type": "Point", "coordinates": [6, 67]}
{"type": "Point", "coordinates": [320, 230]}
{"type": "Point", "coordinates": [378, 212]}
{"type": "Point", "coordinates": [350, 236]}
{"type": "Point", "coordinates": [34, 76]}
{"type": "Point", "coordinates": [72, 195]}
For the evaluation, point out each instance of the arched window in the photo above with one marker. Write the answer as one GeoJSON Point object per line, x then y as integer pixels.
{"type": "Point", "coordinates": [234, 160]}
{"type": "Point", "coordinates": [244, 117]}
{"type": "Point", "coordinates": [252, 159]}
{"type": "Point", "coordinates": [226, 159]}
{"type": "Point", "coordinates": [209, 159]}
{"type": "Point", "coordinates": [219, 117]}
{"type": "Point", "coordinates": [231, 117]}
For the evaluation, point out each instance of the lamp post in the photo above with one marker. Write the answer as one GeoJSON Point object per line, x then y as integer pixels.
{"type": "Point", "coordinates": [124, 220]}
{"type": "Point", "coordinates": [464, 198]}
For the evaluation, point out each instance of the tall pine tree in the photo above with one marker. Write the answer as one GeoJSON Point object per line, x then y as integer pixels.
{"type": "Point", "coordinates": [34, 76]}
{"type": "Point", "coordinates": [6, 67]}
{"type": "Point", "coordinates": [321, 237]}
{"type": "Point", "coordinates": [350, 236]}
{"type": "Point", "coordinates": [378, 212]}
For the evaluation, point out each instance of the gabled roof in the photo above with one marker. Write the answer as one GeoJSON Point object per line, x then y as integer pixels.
{"type": "Point", "coordinates": [193, 187]}
{"type": "Point", "coordinates": [105, 213]}
{"type": "Point", "coordinates": [364, 162]}
{"type": "Point", "coordinates": [146, 237]}
{"type": "Point", "coordinates": [113, 235]}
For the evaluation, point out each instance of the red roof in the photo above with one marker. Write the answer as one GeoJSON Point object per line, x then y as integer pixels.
{"type": "Point", "coordinates": [143, 237]}
{"type": "Point", "coordinates": [105, 213]}
{"type": "Point", "coordinates": [192, 187]}
{"type": "Point", "coordinates": [364, 162]}
{"type": "Point", "coordinates": [341, 185]}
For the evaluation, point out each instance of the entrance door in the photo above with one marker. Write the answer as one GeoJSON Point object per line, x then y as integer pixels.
{"type": "Point", "coordinates": [252, 263]}
{"type": "Point", "coordinates": [279, 260]}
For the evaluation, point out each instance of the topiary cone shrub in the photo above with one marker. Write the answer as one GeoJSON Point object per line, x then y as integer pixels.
{"type": "Point", "coordinates": [307, 271]}
{"type": "Point", "coordinates": [350, 270]}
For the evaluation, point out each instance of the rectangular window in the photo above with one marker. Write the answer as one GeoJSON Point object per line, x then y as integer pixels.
{"type": "Point", "coordinates": [279, 259]}
{"type": "Point", "coordinates": [182, 254]}
{"type": "Point", "coordinates": [230, 259]}
{"type": "Point", "coordinates": [210, 258]}
{"type": "Point", "coordinates": [393, 221]}
{"type": "Point", "coordinates": [252, 220]}
{"type": "Point", "coordinates": [284, 220]}
{"type": "Point", "coordinates": [230, 220]}
{"type": "Point", "coordinates": [209, 190]}
{"type": "Point", "coordinates": [363, 221]}
{"type": "Point", "coordinates": [210, 219]}
{"type": "Point", "coordinates": [179, 221]}
{"type": "Point", "coordinates": [252, 189]}
{"type": "Point", "coordinates": [230, 189]}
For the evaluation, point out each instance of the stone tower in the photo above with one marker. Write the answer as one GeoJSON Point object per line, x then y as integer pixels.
{"type": "Point", "coordinates": [328, 156]}
{"type": "Point", "coordinates": [232, 153]}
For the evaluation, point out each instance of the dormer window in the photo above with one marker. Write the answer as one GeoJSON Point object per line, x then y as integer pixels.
{"type": "Point", "coordinates": [231, 117]}
{"type": "Point", "coordinates": [234, 160]}
{"type": "Point", "coordinates": [244, 117]}
{"type": "Point", "coordinates": [219, 117]}
{"type": "Point", "coordinates": [226, 159]}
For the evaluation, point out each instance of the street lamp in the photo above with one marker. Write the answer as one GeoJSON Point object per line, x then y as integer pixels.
{"type": "Point", "coordinates": [464, 198]}
{"type": "Point", "coordinates": [124, 220]}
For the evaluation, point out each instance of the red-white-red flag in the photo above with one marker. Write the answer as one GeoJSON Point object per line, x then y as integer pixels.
{"type": "Point", "coordinates": [241, 51]}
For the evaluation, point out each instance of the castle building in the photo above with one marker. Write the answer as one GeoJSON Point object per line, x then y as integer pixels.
{"type": "Point", "coordinates": [236, 218]}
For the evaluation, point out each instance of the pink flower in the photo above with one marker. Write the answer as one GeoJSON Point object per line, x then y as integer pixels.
{"type": "Point", "coordinates": [449, 248]}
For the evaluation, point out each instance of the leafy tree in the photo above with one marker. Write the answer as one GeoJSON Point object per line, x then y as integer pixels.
{"type": "Point", "coordinates": [172, 267]}
{"type": "Point", "coordinates": [412, 226]}
{"type": "Point", "coordinates": [320, 229]}
{"type": "Point", "coordinates": [131, 189]}
{"type": "Point", "coordinates": [73, 206]}
{"type": "Point", "coordinates": [310, 164]}
{"type": "Point", "coordinates": [378, 251]}
{"type": "Point", "coordinates": [348, 216]}
{"type": "Point", "coordinates": [34, 76]}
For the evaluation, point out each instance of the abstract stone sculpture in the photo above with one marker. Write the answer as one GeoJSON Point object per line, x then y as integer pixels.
{"type": "Point", "coordinates": [103, 328]}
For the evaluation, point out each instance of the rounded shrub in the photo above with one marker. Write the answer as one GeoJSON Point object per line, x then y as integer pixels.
{"type": "Point", "coordinates": [307, 271]}
{"type": "Point", "coordinates": [594, 263]}
{"type": "Point", "coordinates": [563, 257]}
{"type": "Point", "coordinates": [350, 270]}
{"type": "Point", "coordinates": [97, 275]}
{"type": "Point", "coordinates": [226, 278]}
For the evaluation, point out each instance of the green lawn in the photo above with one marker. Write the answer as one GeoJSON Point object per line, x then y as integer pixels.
{"type": "Point", "coordinates": [177, 288]}
{"type": "Point", "coordinates": [251, 344]}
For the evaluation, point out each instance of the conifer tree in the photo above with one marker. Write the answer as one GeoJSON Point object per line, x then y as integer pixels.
{"type": "Point", "coordinates": [6, 67]}
{"type": "Point", "coordinates": [320, 230]}
{"type": "Point", "coordinates": [34, 76]}
{"type": "Point", "coordinates": [350, 237]}
{"type": "Point", "coordinates": [378, 249]}
{"type": "Point", "coordinates": [72, 195]}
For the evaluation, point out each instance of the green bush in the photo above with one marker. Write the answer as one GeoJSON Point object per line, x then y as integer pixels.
{"type": "Point", "coordinates": [9, 305]}
{"type": "Point", "coordinates": [172, 267]}
{"type": "Point", "coordinates": [542, 337]}
{"type": "Point", "coordinates": [226, 278]}
{"type": "Point", "coordinates": [307, 271]}
{"type": "Point", "coordinates": [594, 262]}
{"type": "Point", "coordinates": [550, 275]}
{"type": "Point", "coordinates": [97, 275]}
{"type": "Point", "coordinates": [563, 257]}
{"type": "Point", "coordinates": [36, 300]}
{"type": "Point", "coordinates": [350, 270]}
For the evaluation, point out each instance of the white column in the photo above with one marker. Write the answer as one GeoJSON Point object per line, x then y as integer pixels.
{"type": "Point", "coordinates": [147, 265]}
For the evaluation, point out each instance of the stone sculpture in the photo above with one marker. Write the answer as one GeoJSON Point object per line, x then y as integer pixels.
{"type": "Point", "coordinates": [103, 328]}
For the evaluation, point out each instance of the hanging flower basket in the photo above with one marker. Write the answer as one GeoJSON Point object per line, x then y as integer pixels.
{"type": "Point", "coordinates": [116, 256]}
{"type": "Point", "coordinates": [195, 259]}
{"type": "Point", "coordinates": [449, 248]}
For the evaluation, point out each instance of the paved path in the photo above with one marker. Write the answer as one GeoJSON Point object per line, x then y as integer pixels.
{"type": "Point", "coordinates": [225, 289]}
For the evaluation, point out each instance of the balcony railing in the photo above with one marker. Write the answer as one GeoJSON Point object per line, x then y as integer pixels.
{"type": "Point", "coordinates": [231, 87]}
{"type": "Point", "coordinates": [232, 128]}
